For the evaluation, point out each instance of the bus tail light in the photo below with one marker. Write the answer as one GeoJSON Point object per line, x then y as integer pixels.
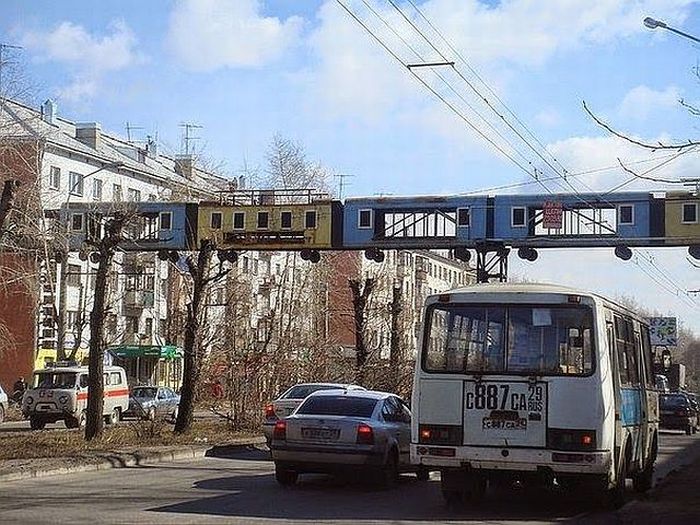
{"type": "Point", "coordinates": [365, 434]}
{"type": "Point", "coordinates": [440, 434]}
{"type": "Point", "coordinates": [280, 431]}
{"type": "Point", "coordinates": [571, 439]}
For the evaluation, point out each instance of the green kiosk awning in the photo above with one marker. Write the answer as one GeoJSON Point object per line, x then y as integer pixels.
{"type": "Point", "coordinates": [162, 352]}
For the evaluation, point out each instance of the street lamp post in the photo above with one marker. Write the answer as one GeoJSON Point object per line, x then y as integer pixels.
{"type": "Point", "coordinates": [63, 277]}
{"type": "Point", "coordinates": [652, 23]}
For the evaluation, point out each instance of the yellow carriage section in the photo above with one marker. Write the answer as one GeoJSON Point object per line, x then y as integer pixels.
{"type": "Point", "coordinates": [267, 226]}
{"type": "Point", "coordinates": [683, 217]}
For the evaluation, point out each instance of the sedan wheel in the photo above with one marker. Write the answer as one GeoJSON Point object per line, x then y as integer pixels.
{"type": "Point", "coordinates": [285, 477]}
{"type": "Point", "coordinates": [390, 472]}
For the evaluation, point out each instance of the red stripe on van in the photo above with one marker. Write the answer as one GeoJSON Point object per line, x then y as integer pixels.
{"type": "Point", "coordinates": [108, 393]}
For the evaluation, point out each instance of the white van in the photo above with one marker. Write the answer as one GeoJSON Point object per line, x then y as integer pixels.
{"type": "Point", "coordinates": [534, 382]}
{"type": "Point", "coordinates": [60, 392]}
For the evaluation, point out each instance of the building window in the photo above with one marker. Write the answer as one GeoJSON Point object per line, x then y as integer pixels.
{"type": "Point", "coordinates": [166, 220]}
{"type": "Point", "coordinates": [310, 219]}
{"type": "Point", "coordinates": [73, 274]}
{"type": "Point", "coordinates": [364, 219]}
{"type": "Point", "coordinates": [462, 217]}
{"type": "Point", "coordinates": [132, 325]}
{"type": "Point", "coordinates": [97, 189]}
{"type": "Point", "coordinates": [517, 217]}
{"type": "Point", "coordinates": [149, 327]}
{"type": "Point", "coordinates": [116, 192]}
{"type": "Point", "coordinates": [690, 213]}
{"type": "Point", "coordinates": [263, 220]}
{"type": "Point", "coordinates": [134, 195]}
{"type": "Point", "coordinates": [244, 264]}
{"type": "Point", "coordinates": [216, 220]}
{"type": "Point", "coordinates": [55, 177]}
{"type": "Point", "coordinates": [75, 181]}
{"type": "Point", "coordinates": [286, 220]}
{"type": "Point", "coordinates": [625, 214]}
{"type": "Point", "coordinates": [238, 220]}
{"type": "Point", "coordinates": [77, 222]}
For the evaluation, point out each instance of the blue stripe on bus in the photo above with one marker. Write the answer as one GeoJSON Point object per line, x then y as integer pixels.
{"type": "Point", "coordinates": [631, 409]}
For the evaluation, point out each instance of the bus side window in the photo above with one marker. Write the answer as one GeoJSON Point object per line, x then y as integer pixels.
{"type": "Point", "coordinates": [624, 363]}
{"type": "Point", "coordinates": [647, 357]}
{"type": "Point", "coordinates": [633, 351]}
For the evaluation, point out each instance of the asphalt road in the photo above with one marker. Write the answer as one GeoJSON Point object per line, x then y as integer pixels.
{"type": "Point", "coordinates": [242, 489]}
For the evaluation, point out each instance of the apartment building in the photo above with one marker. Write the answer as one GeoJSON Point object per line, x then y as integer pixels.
{"type": "Point", "coordinates": [69, 162]}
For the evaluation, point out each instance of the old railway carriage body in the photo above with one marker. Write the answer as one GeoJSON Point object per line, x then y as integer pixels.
{"type": "Point", "coordinates": [414, 222]}
{"type": "Point", "coordinates": [534, 383]}
{"type": "Point", "coordinates": [272, 220]}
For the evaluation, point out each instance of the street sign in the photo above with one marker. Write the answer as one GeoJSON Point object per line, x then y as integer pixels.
{"type": "Point", "coordinates": [663, 331]}
{"type": "Point", "coordinates": [552, 215]}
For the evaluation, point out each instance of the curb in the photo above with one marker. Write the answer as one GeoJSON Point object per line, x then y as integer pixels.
{"type": "Point", "coordinates": [134, 459]}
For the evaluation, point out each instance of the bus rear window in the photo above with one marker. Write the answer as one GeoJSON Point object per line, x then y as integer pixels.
{"type": "Point", "coordinates": [546, 340]}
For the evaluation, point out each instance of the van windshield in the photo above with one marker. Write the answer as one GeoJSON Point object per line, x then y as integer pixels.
{"type": "Point", "coordinates": [515, 339]}
{"type": "Point", "coordinates": [55, 380]}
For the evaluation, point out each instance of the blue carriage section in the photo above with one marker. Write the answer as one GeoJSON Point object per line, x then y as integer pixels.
{"type": "Point", "coordinates": [414, 222]}
{"type": "Point", "coordinates": [150, 226]}
{"type": "Point", "coordinates": [631, 218]}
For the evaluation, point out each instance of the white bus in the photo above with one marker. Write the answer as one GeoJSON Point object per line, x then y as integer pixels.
{"type": "Point", "coordinates": [534, 383]}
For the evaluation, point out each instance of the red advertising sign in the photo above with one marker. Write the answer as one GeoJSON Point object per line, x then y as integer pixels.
{"type": "Point", "coordinates": [552, 215]}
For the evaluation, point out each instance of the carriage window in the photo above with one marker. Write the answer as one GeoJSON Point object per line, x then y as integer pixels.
{"type": "Point", "coordinates": [310, 219]}
{"type": "Point", "coordinates": [690, 213]}
{"type": "Point", "coordinates": [365, 219]}
{"type": "Point", "coordinates": [517, 216]}
{"type": "Point", "coordinates": [463, 217]}
{"type": "Point", "coordinates": [286, 220]}
{"type": "Point", "coordinates": [625, 214]}
{"type": "Point", "coordinates": [238, 220]}
{"type": "Point", "coordinates": [166, 220]}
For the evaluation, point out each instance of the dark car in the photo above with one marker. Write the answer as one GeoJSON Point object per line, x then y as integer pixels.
{"type": "Point", "coordinates": [678, 412]}
{"type": "Point", "coordinates": [152, 402]}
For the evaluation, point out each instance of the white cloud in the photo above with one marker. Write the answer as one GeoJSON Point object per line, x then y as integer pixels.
{"type": "Point", "coordinates": [548, 117]}
{"type": "Point", "coordinates": [641, 101]}
{"type": "Point", "coordinates": [210, 34]}
{"type": "Point", "coordinates": [90, 56]}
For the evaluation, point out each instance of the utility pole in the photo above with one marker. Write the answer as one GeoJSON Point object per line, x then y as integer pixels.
{"type": "Point", "coordinates": [395, 348]}
{"type": "Point", "coordinates": [129, 129]}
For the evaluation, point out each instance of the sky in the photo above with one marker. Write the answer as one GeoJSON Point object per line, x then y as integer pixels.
{"type": "Point", "coordinates": [246, 70]}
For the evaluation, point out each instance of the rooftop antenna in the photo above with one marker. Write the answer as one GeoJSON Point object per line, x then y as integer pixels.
{"type": "Point", "coordinates": [3, 47]}
{"type": "Point", "coordinates": [341, 182]}
{"type": "Point", "coordinates": [129, 128]}
{"type": "Point", "coordinates": [187, 137]}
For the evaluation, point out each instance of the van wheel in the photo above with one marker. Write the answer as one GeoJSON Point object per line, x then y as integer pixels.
{"type": "Point", "coordinates": [71, 422]}
{"type": "Point", "coordinates": [82, 419]}
{"type": "Point", "coordinates": [114, 417]}
{"type": "Point", "coordinates": [36, 423]}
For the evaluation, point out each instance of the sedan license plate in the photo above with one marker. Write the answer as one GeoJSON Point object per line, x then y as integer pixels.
{"type": "Point", "coordinates": [324, 434]}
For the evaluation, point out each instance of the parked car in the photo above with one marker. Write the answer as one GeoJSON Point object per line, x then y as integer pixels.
{"type": "Point", "coordinates": [153, 402]}
{"type": "Point", "coordinates": [4, 402]}
{"type": "Point", "coordinates": [336, 431]}
{"type": "Point", "coordinates": [678, 412]}
{"type": "Point", "coordinates": [291, 399]}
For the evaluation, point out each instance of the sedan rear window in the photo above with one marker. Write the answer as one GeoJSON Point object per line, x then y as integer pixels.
{"type": "Point", "coordinates": [338, 406]}
{"type": "Point", "coordinates": [303, 391]}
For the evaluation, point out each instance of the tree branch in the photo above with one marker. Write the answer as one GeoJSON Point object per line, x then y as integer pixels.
{"type": "Point", "coordinates": [645, 145]}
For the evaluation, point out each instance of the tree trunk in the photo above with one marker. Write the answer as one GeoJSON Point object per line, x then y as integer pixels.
{"type": "Point", "coordinates": [95, 421]}
{"type": "Point", "coordinates": [395, 348]}
{"type": "Point", "coordinates": [193, 351]}
{"type": "Point", "coordinates": [6, 200]}
{"type": "Point", "coordinates": [360, 294]}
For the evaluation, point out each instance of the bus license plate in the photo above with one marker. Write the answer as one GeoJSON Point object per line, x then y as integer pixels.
{"type": "Point", "coordinates": [325, 434]}
{"type": "Point", "coordinates": [504, 424]}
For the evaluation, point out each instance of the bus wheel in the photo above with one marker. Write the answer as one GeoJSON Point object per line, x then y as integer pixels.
{"type": "Point", "coordinates": [616, 495]}
{"type": "Point", "coordinates": [642, 481]}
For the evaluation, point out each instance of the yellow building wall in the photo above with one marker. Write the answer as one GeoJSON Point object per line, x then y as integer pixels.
{"type": "Point", "coordinates": [319, 237]}
{"type": "Point", "coordinates": [675, 228]}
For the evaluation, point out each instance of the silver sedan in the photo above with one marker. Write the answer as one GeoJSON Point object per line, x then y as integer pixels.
{"type": "Point", "coordinates": [338, 431]}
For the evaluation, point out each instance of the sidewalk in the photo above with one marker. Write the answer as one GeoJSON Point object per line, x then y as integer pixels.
{"type": "Point", "coordinates": [675, 500]}
{"type": "Point", "coordinates": [13, 470]}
